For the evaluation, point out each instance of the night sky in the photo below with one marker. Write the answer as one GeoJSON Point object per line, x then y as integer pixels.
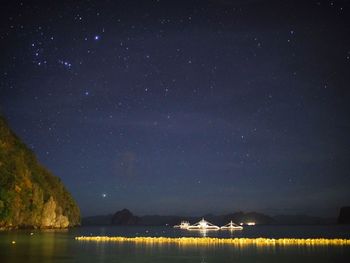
{"type": "Point", "coordinates": [184, 107]}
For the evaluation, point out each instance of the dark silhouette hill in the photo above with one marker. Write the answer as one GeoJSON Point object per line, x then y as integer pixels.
{"type": "Point", "coordinates": [125, 217]}
{"type": "Point", "coordinates": [344, 215]}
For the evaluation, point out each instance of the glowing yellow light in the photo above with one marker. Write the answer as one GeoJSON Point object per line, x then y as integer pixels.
{"type": "Point", "coordinates": [221, 241]}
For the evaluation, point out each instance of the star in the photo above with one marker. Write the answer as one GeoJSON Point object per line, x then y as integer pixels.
{"type": "Point", "coordinates": [137, 99]}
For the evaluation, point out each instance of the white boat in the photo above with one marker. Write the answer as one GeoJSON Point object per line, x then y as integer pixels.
{"type": "Point", "coordinates": [183, 225]}
{"type": "Point", "coordinates": [203, 225]}
{"type": "Point", "coordinates": [231, 226]}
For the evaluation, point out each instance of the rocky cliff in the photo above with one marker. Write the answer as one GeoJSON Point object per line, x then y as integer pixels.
{"type": "Point", "coordinates": [30, 196]}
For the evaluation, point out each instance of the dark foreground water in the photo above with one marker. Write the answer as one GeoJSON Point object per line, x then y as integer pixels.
{"type": "Point", "coordinates": [60, 246]}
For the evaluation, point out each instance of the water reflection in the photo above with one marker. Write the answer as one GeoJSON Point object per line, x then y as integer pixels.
{"type": "Point", "coordinates": [32, 246]}
{"type": "Point", "coordinates": [203, 233]}
{"type": "Point", "coordinates": [60, 246]}
{"type": "Point", "coordinates": [212, 233]}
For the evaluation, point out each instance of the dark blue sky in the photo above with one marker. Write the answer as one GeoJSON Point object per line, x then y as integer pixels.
{"type": "Point", "coordinates": [184, 107]}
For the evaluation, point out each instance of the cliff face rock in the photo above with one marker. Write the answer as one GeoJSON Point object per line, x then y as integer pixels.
{"type": "Point", "coordinates": [52, 216]}
{"type": "Point", "coordinates": [344, 215]}
{"type": "Point", "coordinates": [124, 217]}
{"type": "Point", "coordinates": [30, 196]}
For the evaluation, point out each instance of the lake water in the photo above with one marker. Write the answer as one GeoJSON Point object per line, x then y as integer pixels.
{"type": "Point", "coordinates": [60, 246]}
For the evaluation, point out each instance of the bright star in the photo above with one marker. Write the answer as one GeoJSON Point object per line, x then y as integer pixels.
{"type": "Point", "coordinates": [97, 37]}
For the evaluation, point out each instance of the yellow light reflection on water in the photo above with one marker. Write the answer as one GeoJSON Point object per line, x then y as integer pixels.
{"type": "Point", "coordinates": [221, 241]}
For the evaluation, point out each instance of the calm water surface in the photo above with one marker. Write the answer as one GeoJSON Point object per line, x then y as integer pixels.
{"type": "Point", "coordinates": [60, 246]}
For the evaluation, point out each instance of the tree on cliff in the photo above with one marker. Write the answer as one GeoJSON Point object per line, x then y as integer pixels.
{"type": "Point", "coordinates": [30, 196]}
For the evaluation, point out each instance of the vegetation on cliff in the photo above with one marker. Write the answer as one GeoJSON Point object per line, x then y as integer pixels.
{"type": "Point", "coordinates": [30, 196]}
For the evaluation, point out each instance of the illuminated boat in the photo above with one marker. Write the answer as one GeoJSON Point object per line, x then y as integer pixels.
{"type": "Point", "coordinates": [183, 225]}
{"type": "Point", "coordinates": [231, 226]}
{"type": "Point", "coordinates": [203, 225]}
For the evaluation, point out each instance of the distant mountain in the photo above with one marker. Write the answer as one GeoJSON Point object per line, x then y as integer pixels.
{"type": "Point", "coordinates": [127, 218]}
{"type": "Point", "coordinates": [239, 217]}
{"type": "Point", "coordinates": [124, 217]}
{"type": "Point", "coordinates": [157, 220]}
{"type": "Point", "coordinates": [344, 215]}
{"type": "Point", "coordinates": [30, 196]}
{"type": "Point", "coordinates": [302, 220]}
